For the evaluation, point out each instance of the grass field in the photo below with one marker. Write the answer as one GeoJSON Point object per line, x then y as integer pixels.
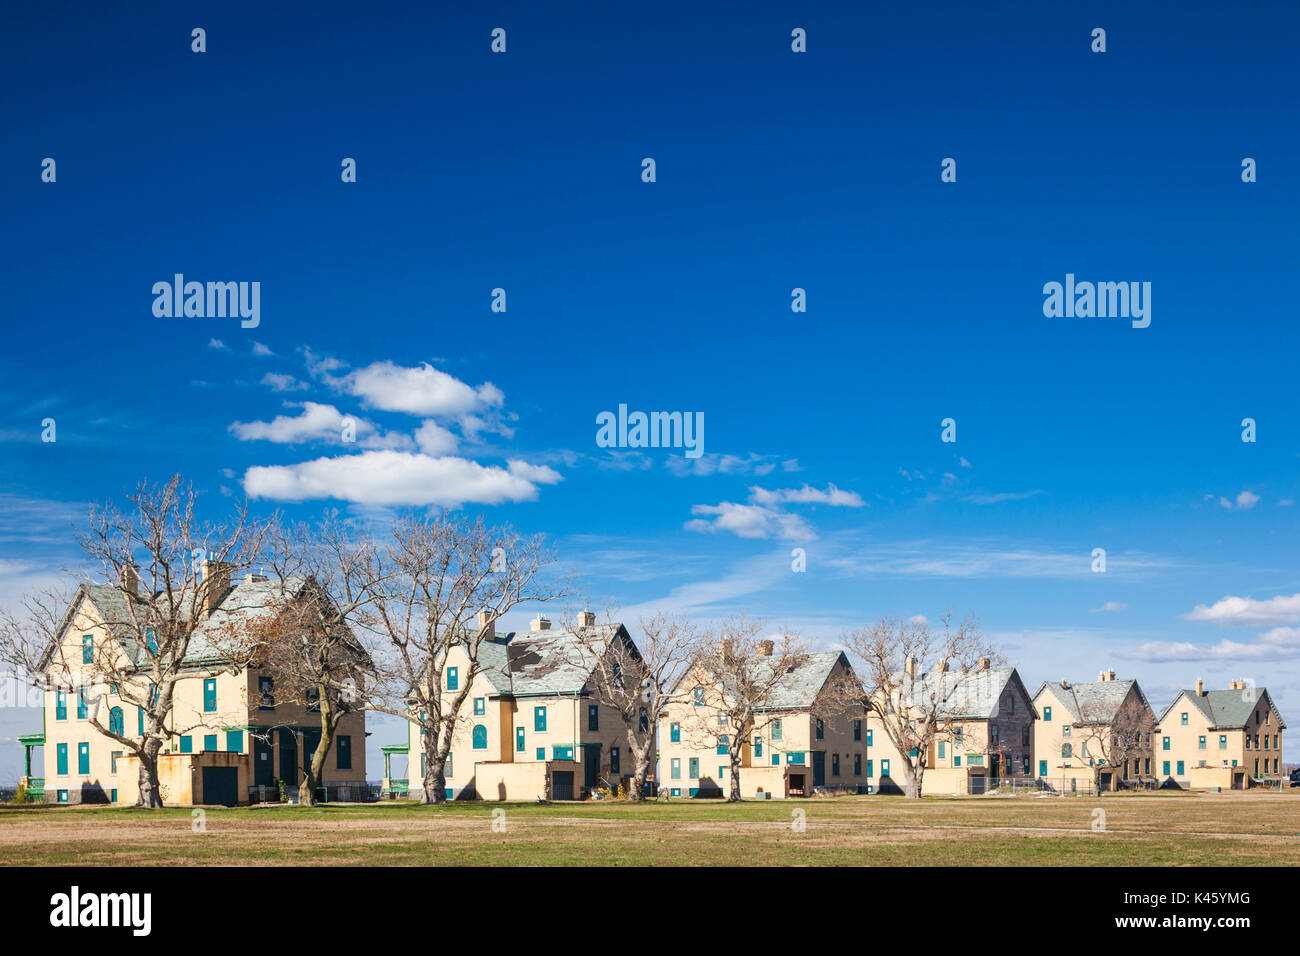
{"type": "Point", "coordinates": [1161, 829]}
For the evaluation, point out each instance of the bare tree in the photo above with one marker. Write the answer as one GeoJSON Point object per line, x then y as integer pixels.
{"type": "Point", "coordinates": [165, 571]}
{"type": "Point", "coordinates": [327, 574]}
{"type": "Point", "coordinates": [637, 680]}
{"type": "Point", "coordinates": [737, 679]}
{"type": "Point", "coordinates": [915, 679]}
{"type": "Point", "coordinates": [1105, 737]}
{"type": "Point", "coordinates": [440, 585]}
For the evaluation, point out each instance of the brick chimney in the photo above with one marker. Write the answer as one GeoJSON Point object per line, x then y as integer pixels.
{"type": "Point", "coordinates": [215, 584]}
{"type": "Point", "coordinates": [1106, 676]}
{"type": "Point", "coordinates": [540, 623]}
{"type": "Point", "coordinates": [723, 649]}
{"type": "Point", "coordinates": [487, 624]}
{"type": "Point", "coordinates": [1200, 687]}
{"type": "Point", "coordinates": [765, 648]}
{"type": "Point", "coordinates": [131, 579]}
{"type": "Point", "coordinates": [909, 667]}
{"type": "Point", "coordinates": [587, 619]}
{"type": "Point", "coordinates": [942, 666]}
{"type": "Point", "coordinates": [983, 663]}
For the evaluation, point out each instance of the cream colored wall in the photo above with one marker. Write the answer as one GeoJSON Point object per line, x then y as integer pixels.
{"type": "Point", "coordinates": [1074, 772]}
{"type": "Point", "coordinates": [1184, 742]}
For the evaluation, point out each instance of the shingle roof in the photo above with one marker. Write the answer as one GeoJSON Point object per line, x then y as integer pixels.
{"type": "Point", "coordinates": [801, 685]}
{"type": "Point", "coordinates": [1228, 708]}
{"type": "Point", "coordinates": [553, 661]}
{"type": "Point", "coordinates": [974, 694]}
{"type": "Point", "coordinates": [1092, 701]}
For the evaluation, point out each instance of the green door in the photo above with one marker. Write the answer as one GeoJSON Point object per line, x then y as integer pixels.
{"type": "Point", "coordinates": [1042, 768]}
{"type": "Point", "coordinates": [221, 785]}
{"type": "Point", "coordinates": [562, 785]}
{"type": "Point", "coordinates": [819, 768]}
{"type": "Point", "coordinates": [289, 758]}
{"type": "Point", "coordinates": [263, 768]}
{"type": "Point", "coordinates": [591, 765]}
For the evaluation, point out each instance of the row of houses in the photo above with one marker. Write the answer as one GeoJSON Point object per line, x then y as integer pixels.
{"type": "Point", "coordinates": [533, 729]}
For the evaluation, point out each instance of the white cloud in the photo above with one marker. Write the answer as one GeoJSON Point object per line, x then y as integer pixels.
{"type": "Point", "coordinates": [987, 560]}
{"type": "Point", "coordinates": [749, 521]}
{"type": "Point", "coordinates": [435, 440]}
{"type": "Point", "coordinates": [1247, 499]}
{"type": "Point", "coordinates": [1278, 644]}
{"type": "Point", "coordinates": [1248, 611]}
{"type": "Point", "coordinates": [218, 344]}
{"type": "Point", "coordinates": [540, 474]}
{"type": "Point", "coordinates": [709, 464]}
{"type": "Point", "coordinates": [316, 423]}
{"type": "Point", "coordinates": [806, 495]}
{"type": "Point", "coordinates": [424, 391]}
{"type": "Point", "coordinates": [261, 350]}
{"type": "Point", "coordinates": [1109, 606]}
{"type": "Point", "coordinates": [920, 620]}
{"type": "Point", "coordinates": [964, 463]}
{"type": "Point", "coordinates": [395, 478]}
{"type": "Point", "coordinates": [994, 499]}
{"type": "Point", "coordinates": [282, 383]}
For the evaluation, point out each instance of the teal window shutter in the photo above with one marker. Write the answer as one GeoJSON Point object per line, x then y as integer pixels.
{"type": "Point", "coordinates": [758, 746]}
{"type": "Point", "coordinates": [453, 678]}
{"type": "Point", "coordinates": [187, 745]}
{"type": "Point", "coordinates": [235, 741]}
{"type": "Point", "coordinates": [677, 768]}
{"type": "Point", "coordinates": [776, 730]}
{"type": "Point", "coordinates": [541, 753]}
{"type": "Point", "coordinates": [210, 694]}
{"type": "Point", "coordinates": [593, 717]}
{"type": "Point", "coordinates": [88, 649]}
{"type": "Point", "coordinates": [869, 736]}
{"type": "Point", "coordinates": [209, 741]}
{"type": "Point", "coordinates": [60, 705]}
{"type": "Point", "coordinates": [539, 719]}
{"type": "Point", "coordinates": [83, 705]}
{"type": "Point", "coordinates": [61, 759]}
{"type": "Point", "coordinates": [519, 739]}
{"type": "Point", "coordinates": [675, 733]}
{"type": "Point", "coordinates": [140, 711]}
{"type": "Point", "coordinates": [83, 759]}
{"type": "Point", "coordinates": [870, 768]}
{"type": "Point", "coordinates": [1047, 713]}
{"type": "Point", "coordinates": [693, 769]}
{"type": "Point", "coordinates": [343, 752]}
{"type": "Point", "coordinates": [480, 737]}
{"type": "Point", "coordinates": [776, 760]}
{"type": "Point", "coordinates": [116, 722]}
{"type": "Point", "coordinates": [614, 764]}
{"type": "Point", "coordinates": [480, 706]}
{"type": "Point", "coordinates": [723, 745]}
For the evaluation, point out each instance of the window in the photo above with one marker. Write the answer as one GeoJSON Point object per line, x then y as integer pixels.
{"type": "Point", "coordinates": [83, 705]}
{"type": "Point", "coordinates": [88, 649]}
{"type": "Point", "coordinates": [209, 741]}
{"type": "Point", "coordinates": [614, 761]}
{"type": "Point", "coordinates": [835, 765]}
{"type": "Point", "coordinates": [1180, 768]}
{"type": "Point", "coordinates": [153, 694]}
{"type": "Point", "coordinates": [821, 729]}
{"type": "Point", "coordinates": [857, 765]}
{"type": "Point", "coordinates": [343, 752]}
{"type": "Point", "coordinates": [943, 747]}
{"type": "Point", "coordinates": [1165, 771]}
{"type": "Point", "coordinates": [313, 700]}
{"type": "Point", "coordinates": [1182, 718]}
{"type": "Point", "coordinates": [1042, 768]}
{"type": "Point", "coordinates": [722, 718]}
{"type": "Point", "coordinates": [210, 695]}
{"type": "Point", "coordinates": [1047, 713]}
{"type": "Point", "coordinates": [1065, 731]}
{"type": "Point", "coordinates": [857, 730]}
{"type": "Point", "coordinates": [116, 722]}
{"type": "Point", "coordinates": [1200, 743]}
{"type": "Point", "coordinates": [870, 734]}
{"type": "Point", "coordinates": [235, 741]}
{"type": "Point", "coordinates": [956, 759]}
{"type": "Point", "coordinates": [884, 768]}
{"type": "Point", "coordinates": [1024, 736]}
{"type": "Point", "coordinates": [724, 747]}
{"type": "Point", "coordinates": [722, 771]}
{"type": "Point", "coordinates": [83, 759]}
{"type": "Point", "coordinates": [693, 768]}
{"type": "Point", "coordinates": [995, 735]}
{"type": "Point", "coordinates": [453, 678]}
{"type": "Point", "coordinates": [61, 760]}
{"type": "Point", "coordinates": [519, 739]}
{"type": "Point", "coordinates": [593, 717]}
{"type": "Point", "coordinates": [187, 745]}
{"type": "Point", "coordinates": [1164, 743]}
{"type": "Point", "coordinates": [870, 770]}
{"type": "Point", "coordinates": [480, 706]}
{"type": "Point", "coordinates": [776, 760]}
{"type": "Point", "coordinates": [480, 737]}
{"type": "Point", "coordinates": [699, 696]}
{"type": "Point", "coordinates": [795, 758]}
{"type": "Point", "coordinates": [63, 796]}
{"type": "Point", "coordinates": [150, 640]}
{"type": "Point", "coordinates": [539, 719]}
{"type": "Point", "coordinates": [266, 693]}
{"type": "Point", "coordinates": [141, 718]}
{"type": "Point", "coordinates": [758, 746]}
{"type": "Point", "coordinates": [776, 730]}
{"type": "Point", "coordinates": [957, 736]}
{"type": "Point", "coordinates": [541, 753]}
{"type": "Point", "coordinates": [112, 760]}
{"type": "Point", "coordinates": [1066, 750]}
{"type": "Point", "coordinates": [562, 753]}
{"type": "Point", "coordinates": [676, 771]}
{"type": "Point", "coordinates": [675, 733]}
{"type": "Point", "coordinates": [60, 705]}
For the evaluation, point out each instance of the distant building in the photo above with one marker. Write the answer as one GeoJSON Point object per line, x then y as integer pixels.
{"type": "Point", "coordinates": [1093, 733]}
{"type": "Point", "coordinates": [1220, 738]}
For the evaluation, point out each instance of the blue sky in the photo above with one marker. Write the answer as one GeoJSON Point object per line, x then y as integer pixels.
{"type": "Point", "coordinates": [774, 171]}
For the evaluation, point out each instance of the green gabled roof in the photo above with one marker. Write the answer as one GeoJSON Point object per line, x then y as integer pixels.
{"type": "Point", "coordinates": [1228, 708]}
{"type": "Point", "coordinates": [1092, 702]}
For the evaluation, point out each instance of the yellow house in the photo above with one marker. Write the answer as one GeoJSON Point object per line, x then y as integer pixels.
{"type": "Point", "coordinates": [795, 751]}
{"type": "Point", "coordinates": [986, 716]}
{"type": "Point", "coordinates": [1220, 738]}
{"type": "Point", "coordinates": [1093, 733]}
{"type": "Point", "coordinates": [229, 733]}
{"type": "Point", "coordinates": [529, 728]}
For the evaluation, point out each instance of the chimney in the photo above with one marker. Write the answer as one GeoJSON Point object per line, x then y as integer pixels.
{"type": "Point", "coordinates": [216, 582]}
{"type": "Point", "coordinates": [1065, 684]}
{"type": "Point", "coordinates": [1200, 687]}
{"type": "Point", "coordinates": [487, 624]}
{"type": "Point", "coordinates": [942, 666]}
{"type": "Point", "coordinates": [909, 667]}
{"type": "Point", "coordinates": [1105, 676]}
{"type": "Point", "coordinates": [540, 623]}
{"type": "Point", "coordinates": [587, 619]}
{"type": "Point", "coordinates": [765, 648]}
{"type": "Point", "coordinates": [983, 663]}
{"type": "Point", "coordinates": [131, 579]}
{"type": "Point", "coordinates": [723, 648]}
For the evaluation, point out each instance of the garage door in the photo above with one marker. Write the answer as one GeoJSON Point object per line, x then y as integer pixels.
{"type": "Point", "coordinates": [221, 785]}
{"type": "Point", "coordinates": [562, 785]}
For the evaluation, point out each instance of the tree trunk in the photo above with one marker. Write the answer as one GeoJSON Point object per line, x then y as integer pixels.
{"type": "Point", "coordinates": [435, 778]}
{"type": "Point", "coordinates": [640, 771]}
{"type": "Point", "coordinates": [913, 788]}
{"type": "Point", "coordinates": [314, 768]}
{"type": "Point", "coordinates": [734, 795]}
{"type": "Point", "coordinates": [150, 793]}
